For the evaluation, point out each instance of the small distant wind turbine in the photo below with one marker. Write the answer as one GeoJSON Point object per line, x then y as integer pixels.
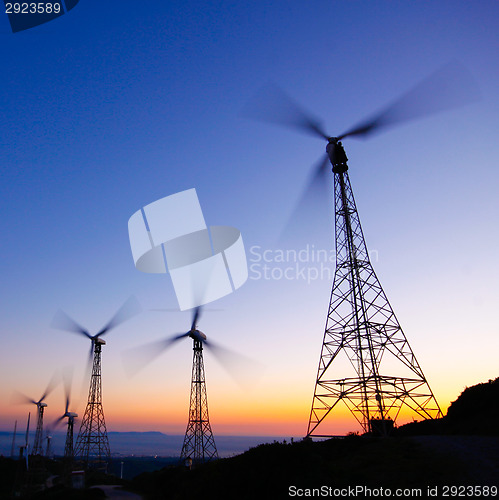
{"type": "Point", "coordinates": [68, 448]}
{"type": "Point", "coordinates": [40, 407]}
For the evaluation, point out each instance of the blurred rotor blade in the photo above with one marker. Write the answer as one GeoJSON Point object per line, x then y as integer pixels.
{"type": "Point", "coordinates": [242, 369]}
{"type": "Point", "coordinates": [447, 88]}
{"type": "Point", "coordinates": [163, 310]}
{"type": "Point", "coordinates": [129, 309]}
{"type": "Point", "coordinates": [57, 422]}
{"type": "Point", "coordinates": [62, 321]}
{"type": "Point", "coordinates": [200, 280]}
{"type": "Point", "coordinates": [195, 317]}
{"type": "Point", "coordinates": [311, 205]}
{"type": "Point", "coordinates": [271, 104]}
{"type": "Point", "coordinates": [90, 359]}
{"type": "Point", "coordinates": [205, 309]}
{"type": "Point", "coordinates": [180, 336]}
{"type": "Point", "coordinates": [21, 399]}
{"type": "Point", "coordinates": [67, 378]}
{"type": "Point", "coordinates": [50, 387]}
{"type": "Point", "coordinates": [137, 358]}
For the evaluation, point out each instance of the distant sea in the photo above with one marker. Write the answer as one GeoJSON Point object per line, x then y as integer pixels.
{"type": "Point", "coordinates": [143, 444]}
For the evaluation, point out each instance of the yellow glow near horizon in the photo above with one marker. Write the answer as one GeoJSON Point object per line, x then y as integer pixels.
{"type": "Point", "coordinates": [137, 407]}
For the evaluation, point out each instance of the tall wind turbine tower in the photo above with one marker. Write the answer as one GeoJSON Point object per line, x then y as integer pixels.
{"type": "Point", "coordinates": [38, 443]}
{"type": "Point", "coordinates": [384, 377]}
{"type": "Point", "coordinates": [69, 447]}
{"type": "Point", "coordinates": [199, 444]}
{"type": "Point", "coordinates": [92, 443]}
{"type": "Point", "coordinates": [366, 363]}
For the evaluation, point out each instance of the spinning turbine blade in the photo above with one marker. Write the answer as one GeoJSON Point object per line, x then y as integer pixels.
{"type": "Point", "coordinates": [449, 87]}
{"type": "Point", "coordinates": [136, 359]}
{"type": "Point", "coordinates": [56, 422]}
{"type": "Point", "coordinates": [88, 368]}
{"type": "Point", "coordinates": [129, 309]}
{"type": "Point", "coordinates": [67, 379]}
{"type": "Point", "coordinates": [195, 317]}
{"type": "Point", "coordinates": [239, 367]}
{"type": "Point", "coordinates": [20, 398]}
{"type": "Point", "coordinates": [273, 105]}
{"type": "Point", "coordinates": [62, 321]}
{"type": "Point", "coordinates": [50, 387]}
{"type": "Point", "coordinates": [205, 309]}
{"type": "Point", "coordinates": [312, 202]}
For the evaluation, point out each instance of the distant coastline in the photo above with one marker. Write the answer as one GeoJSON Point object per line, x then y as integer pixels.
{"type": "Point", "coordinates": [145, 444]}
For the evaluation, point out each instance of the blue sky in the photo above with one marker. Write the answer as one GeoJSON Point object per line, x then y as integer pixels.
{"type": "Point", "coordinates": [117, 104]}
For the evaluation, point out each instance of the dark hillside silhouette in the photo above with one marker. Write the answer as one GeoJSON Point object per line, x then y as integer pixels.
{"type": "Point", "coordinates": [474, 412]}
{"type": "Point", "coordinates": [459, 449]}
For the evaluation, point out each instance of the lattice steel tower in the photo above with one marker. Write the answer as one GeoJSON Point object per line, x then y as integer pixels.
{"type": "Point", "coordinates": [380, 376]}
{"type": "Point", "coordinates": [92, 444]}
{"type": "Point", "coordinates": [199, 444]}
{"type": "Point", "coordinates": [69, 448]}
{"type": "Point", "coordinates": [40, 408]}
{"type": "Point", "coordinates": [38, 443]}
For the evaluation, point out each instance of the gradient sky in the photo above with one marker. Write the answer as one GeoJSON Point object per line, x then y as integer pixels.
{"type": "Point", "coordinates": [118, 104]}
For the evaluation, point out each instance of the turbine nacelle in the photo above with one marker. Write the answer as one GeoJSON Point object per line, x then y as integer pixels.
{"type": "Point", "coordinates": [137, 358]}
{"type": "Point", "coordinates": [62, 321]}
{"type": "Point", "coordinates": [447, 88]}
{"type": "Point", "coordinates": [337, 155]}
{"type": "Point", "coordinates": [197, 335]}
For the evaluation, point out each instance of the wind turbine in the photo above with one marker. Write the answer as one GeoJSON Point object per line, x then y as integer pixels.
{"type": "Point", "coordinates": [382, 375]}
{"type": "Point", "coordinates": [70, 415]}
{"type": "Point", "coordinates": [40, 408]}
{"type": "Point", "coordinates": [92, 444]}
{"type": "Point", "coordinates": [199, 444]}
